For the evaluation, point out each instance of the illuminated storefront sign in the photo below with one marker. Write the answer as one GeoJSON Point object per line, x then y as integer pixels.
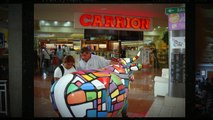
{"type": "Point", "coordinates": [117, 22]}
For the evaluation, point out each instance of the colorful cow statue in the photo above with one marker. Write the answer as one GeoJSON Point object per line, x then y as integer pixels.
{"type": "Point", "coordinates": [95, 93]}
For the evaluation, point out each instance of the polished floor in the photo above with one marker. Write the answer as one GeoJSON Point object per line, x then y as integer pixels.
{"type": "Point", "coordinates": [140, 98]}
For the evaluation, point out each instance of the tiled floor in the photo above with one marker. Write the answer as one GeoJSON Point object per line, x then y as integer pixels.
{"type": "Point", "coordinates": [167, 107]}
{"type": "Point", "coordinates": [140, 99]}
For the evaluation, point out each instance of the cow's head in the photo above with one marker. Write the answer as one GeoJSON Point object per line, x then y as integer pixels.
{"type": "Point", "coordinates": [126, 66]}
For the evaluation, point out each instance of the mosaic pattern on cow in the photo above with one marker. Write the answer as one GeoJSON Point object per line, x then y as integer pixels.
{"type": "Point", "coordinates": [89, 95]}
{"type": "Point", "coordinates": [95, 93]}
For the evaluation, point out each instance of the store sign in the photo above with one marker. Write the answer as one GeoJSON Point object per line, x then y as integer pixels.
{"type": "Point", "coordinates": [177, 21]}
{"type": "Point", "coordinates": [112, 22]}
{"type": "Point", "coordinates": [174, 10]}
{"type": "Point", "coordinates": [178, 42]}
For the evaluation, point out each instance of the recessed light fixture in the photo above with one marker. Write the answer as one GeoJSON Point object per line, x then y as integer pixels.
{"type": "Point", "coordinates": [42, 22]}
{"type": "Point", "coordinates": [55, 22]}
{"type": "Point", "coordinates": [68, 23]}
{"type": "Point", "coordinates": [158, 27]}
{"type": "Point", "coordinates": [47, 24]}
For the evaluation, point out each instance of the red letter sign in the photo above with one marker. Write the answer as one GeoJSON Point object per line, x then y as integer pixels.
{"type": "Point", "coordinates": [109, 21]}
{"type": "Point", "coordinates": [97, 21]}
{"type": "Point", "coordinates": [82, 18]}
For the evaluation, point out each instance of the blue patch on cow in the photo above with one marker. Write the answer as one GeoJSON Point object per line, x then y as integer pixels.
{"type": "Point", "coordinates": [91, 113]}
{"type": "Point", "coordinates": [102, 114]}
{"type": "Point", "coordinates": [109, 104]}
{"type": "Point", "coordinates": [87, 86]}
{"type": "Point", "coordinates": [128, 64]}
{"type": "Point", "coordinates": [122, 91]}
{"type": "Point", "coordinates": [95, 103]}
{"type": "Point", "coordinates": [103, 95]}
{"type": "Point", "coordinates": [126, 83]}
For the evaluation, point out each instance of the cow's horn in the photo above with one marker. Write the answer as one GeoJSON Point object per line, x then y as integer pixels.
{"type": "Point", "coordinates": [136, 57]}
{"type": "Point", "coordinates": [125, 61]}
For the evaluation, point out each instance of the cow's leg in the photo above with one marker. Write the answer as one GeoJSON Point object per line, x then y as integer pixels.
{"type": "Point", "coordinates": [124, 111]}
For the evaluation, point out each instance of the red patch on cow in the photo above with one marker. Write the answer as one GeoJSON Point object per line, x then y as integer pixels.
{"type": "Point", "coordinates": [105, 81]}
{"type": "Point", "coordinates": [114, 102]}
{"type": "Point", "coordinates": [119, 69]}
{"type": "Point", "coordinates": [120, 87]}
{"type": "Point", "coordinates": [114, 114]}
{"type": "Point", "coordinates": [79, 72]}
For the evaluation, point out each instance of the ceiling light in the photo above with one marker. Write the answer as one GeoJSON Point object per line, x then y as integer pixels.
{"type": "Point", "coordinates": [42, 22]}
{"type": "Point", "coordinates": [47, 24]}
{"type": "Point", "coordinates": [55, 22]}
{"type": "Point", "coordinates": [158, 26]}
{"type": "Point", "coordinates": [68, 23]}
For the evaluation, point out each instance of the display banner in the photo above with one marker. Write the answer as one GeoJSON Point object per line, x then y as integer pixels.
{"type": "Point", "coordinates": [112, 22]}
{"type": "Point", "coordinates": [177, 21]}
{"type": "Point", "coordinates": [1, 40]}
{"type": "Point", "coordinates": [178, 42]}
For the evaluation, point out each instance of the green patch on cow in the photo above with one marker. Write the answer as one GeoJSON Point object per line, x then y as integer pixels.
{"type": "Point", "coordinates": [91, 75]}
{"type": "Point", "coordinates": [71, 88]}
{"type": "Point", "coordinates": [91, 96]}
{"type": "Point", "coordinates": [116, 79]}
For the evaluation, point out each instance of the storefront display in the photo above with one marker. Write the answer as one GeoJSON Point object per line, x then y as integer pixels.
{"type": "Point", "coordinates": [146, 57]}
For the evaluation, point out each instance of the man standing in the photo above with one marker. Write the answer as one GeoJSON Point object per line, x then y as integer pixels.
{"type": "Point", "coordinates": [90, 61]}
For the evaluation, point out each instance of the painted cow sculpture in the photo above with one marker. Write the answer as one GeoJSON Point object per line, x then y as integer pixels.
{"type": "Point", "coordinates": [95, 93]}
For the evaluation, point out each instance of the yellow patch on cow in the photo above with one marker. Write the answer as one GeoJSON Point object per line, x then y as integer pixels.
{"type": "Point", "coordinates": [87, 77]}
{"type": "Point", "coordinates": [101, 74]}
{"type": "Point", "coordinates": [99, 94]}
{"type": "Point", "coordinates": [115, 93]}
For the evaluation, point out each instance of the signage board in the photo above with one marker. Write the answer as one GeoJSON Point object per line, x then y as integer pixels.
{"type": "Point", "coordinates": [178, 42]}
{"type": "Point", "coordinates": [176, 21]}
{"type": "Point", "coordinates": [112, 22]}
{"type": "Point", "coordinates": [174, 10]}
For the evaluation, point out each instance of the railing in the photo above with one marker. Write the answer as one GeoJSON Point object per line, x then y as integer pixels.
{"type": "Point", "coordinates": [3, 97]}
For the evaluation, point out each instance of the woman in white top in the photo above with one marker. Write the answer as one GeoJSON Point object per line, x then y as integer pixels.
{"type": "Point", "coordinates": [68, 66]}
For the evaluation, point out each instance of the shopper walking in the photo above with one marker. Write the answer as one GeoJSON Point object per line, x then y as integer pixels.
{"type": "Point", "coordinates": [45, 61]}
{"type": "Point", "coordinates": [60, 54]}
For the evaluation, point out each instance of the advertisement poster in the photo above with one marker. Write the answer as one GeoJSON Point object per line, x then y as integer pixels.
{"type": "Point", "coordinates": [178, 42]}
{"type": "Point", "coordinates": [1, 40]}
{"type": "Point", "coordinates": [177, 21]}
